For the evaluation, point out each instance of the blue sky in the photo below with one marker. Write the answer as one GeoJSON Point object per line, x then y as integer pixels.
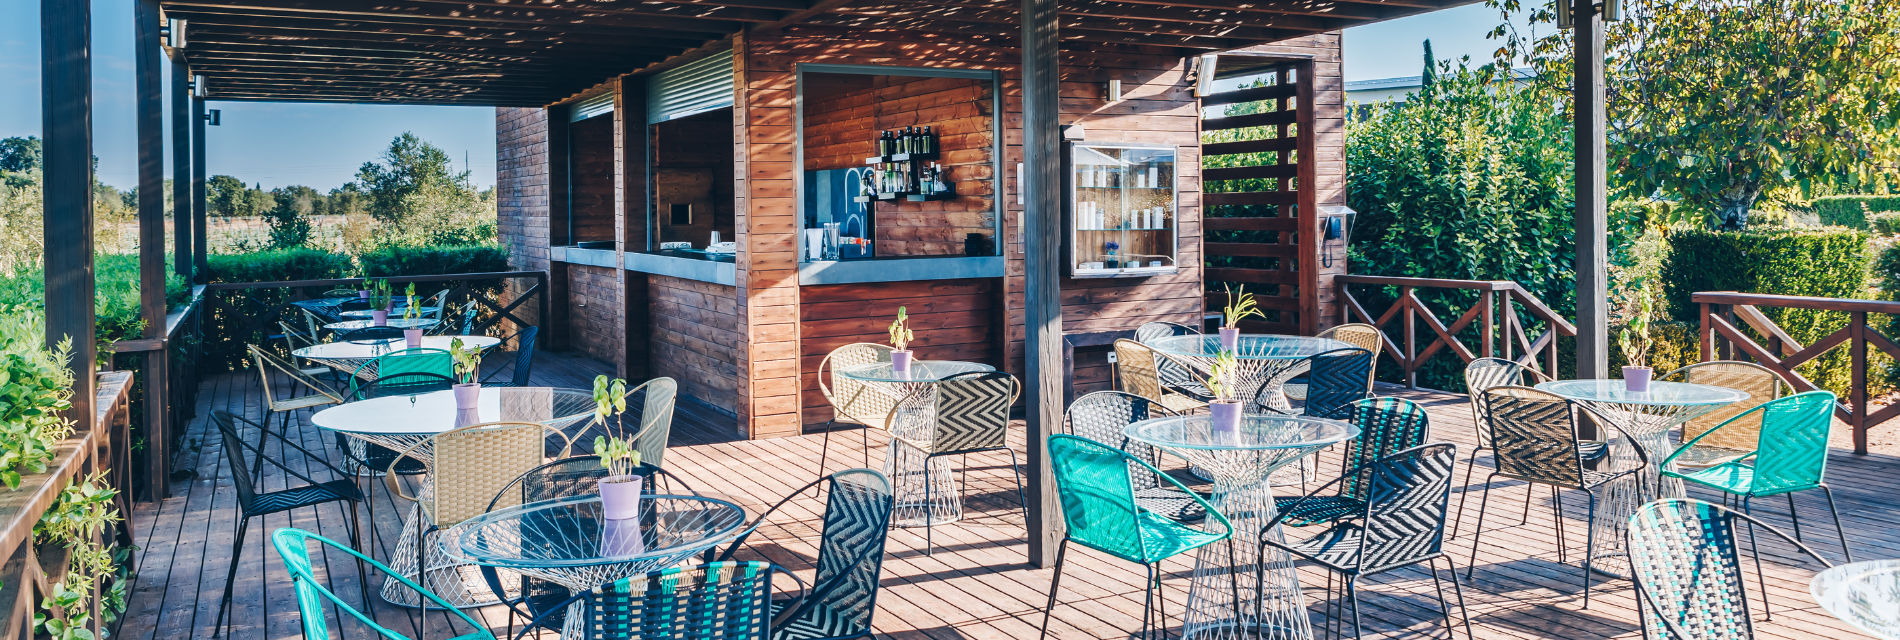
{"type": "Point", "coordinates": [280, 144]}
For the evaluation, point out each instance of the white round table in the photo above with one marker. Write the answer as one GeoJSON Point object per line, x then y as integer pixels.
{"type": "Point", "coordinates": [399, 422]}
{"type": "Point", "coordinates": [1646, 418]}
{"type": "Point", "coordinates": [1863, 594]}
{"type": "Point", "coordinates": [909, 470]}
{"type": "Point", "coordinates": [371, 313]}
{"type": "Point", "coordinates": [399, 323]}
{"type": "Point", "coordinates": [352, 356]}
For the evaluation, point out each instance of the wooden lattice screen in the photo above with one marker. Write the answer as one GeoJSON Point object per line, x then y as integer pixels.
{"type": "Point", "coordinates": [1251, 179]}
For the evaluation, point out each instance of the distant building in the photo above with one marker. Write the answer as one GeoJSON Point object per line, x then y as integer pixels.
{"type": "Point", "coordinates": [1365, 92]}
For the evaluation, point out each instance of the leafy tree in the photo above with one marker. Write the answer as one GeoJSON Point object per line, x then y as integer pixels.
{"type": "Point", "coordinates": [20, 154]}
{"type": "Point", "coordinates": [418, 200]}
{"type": "Point", "coordinates": [290, 218]}
{"type": "Point", "coordinates": [224, 195]}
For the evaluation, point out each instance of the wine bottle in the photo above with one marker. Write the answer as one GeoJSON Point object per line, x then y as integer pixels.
{"type": "Point", "coordinates": [930, 140]}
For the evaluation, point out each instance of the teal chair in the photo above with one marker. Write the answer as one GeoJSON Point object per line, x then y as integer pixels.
{"type": "Point", "coordinates": [292, 545]}
{"type": "Point", "coordinates": [436, 361]}
{"type": "Point", "coordinates": [1098, 507]}
{"type": "Point", "coordinates": [1791, 456]}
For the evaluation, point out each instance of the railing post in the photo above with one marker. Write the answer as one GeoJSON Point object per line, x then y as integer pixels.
{"type": "Point", "coordinates": [1857, 335]}
{"type": "Point", "coordinates": [1708, 333]}
{"type": "Point", "coordinates": [1486, 298]}
{"type": "Point", "coordinates": [1411, 345]}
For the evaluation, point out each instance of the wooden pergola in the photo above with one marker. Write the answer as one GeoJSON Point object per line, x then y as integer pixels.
{"type": "Point", "coordinates": [491, 53]}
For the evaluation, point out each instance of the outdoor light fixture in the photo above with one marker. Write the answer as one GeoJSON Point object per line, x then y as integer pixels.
{"type": "Point", "coordinates": [174, 32]}
{"type": "Point", "coordinates": [211, 117]}
{"type": "Point", "coordinates": [1335, 224]}
{"type": "Point", "coordinates": [1114, 91]}
{"type": "Point", "coordinates": [1612, 12]}
{"type": "Point", "coordinates": [197, 86]}
{"type": "Point", "coordinates": [1074, 132]}
{"type": "Point", "coordinates": [1204, 81]}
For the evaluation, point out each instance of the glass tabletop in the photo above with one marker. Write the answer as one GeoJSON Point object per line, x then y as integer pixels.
{"type": "Point", "coordinates": [1257, 432]}
{"type": "Point", "coordinates": [920, 371]}
{"type": "Point", "coordinates": [372, 348]}
{"type": "Point", "coordinates": [1863, 594]}
{"type": "Point", "coordinates": [399, 323]}
{"type": "Point", "coordinates": [397, 311]}
{"type": "Point", "coordinates": [1659, 393]}
{"type": "Point", "coordinates": [434, 412]}
{"type": "Point", "coordinates": [1249, 347]}
{"type": "Point", "coordinates": [571, 532]}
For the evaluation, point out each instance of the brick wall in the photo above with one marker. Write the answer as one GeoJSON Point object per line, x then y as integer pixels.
{"type": "Point", "coordinates": [593, 315]}
{"type": "Point", "coordinates": [696, 338]}
{"type": "Point", "coordinates": [521, 193]}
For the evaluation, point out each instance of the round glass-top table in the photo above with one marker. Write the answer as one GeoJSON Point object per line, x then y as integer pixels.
{"type": "Point", "coordinates": [924, 488]}
{"type": "Point", "coordinates": [569, 542]}
{"type": "Point", "coordinates": [399, 323]}
{"type": "Point", "coordinates": [394, 311]}
{"type": "Point", "coordinates": [1863, 594]}
{"type": "Point", "coordinates": [1262, 360]}
{"type": "Point", "coordinates": [399, 422]}
{"type": "Point", "coordinates": [1644, 420]}
{"type": "Point", "coordinates": [351, 356]}
{"type": "Point", "coordinates": [1240, 463]}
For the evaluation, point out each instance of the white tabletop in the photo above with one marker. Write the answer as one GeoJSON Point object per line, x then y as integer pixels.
{"type": "Point", "coordinates": [399, 323]}
{"type": "Point", "coordinates": [434, 412]}
{"type": "Point", "coordinates": [1864, 594]}
{"type": "Point", "coordinates": [366, 350]}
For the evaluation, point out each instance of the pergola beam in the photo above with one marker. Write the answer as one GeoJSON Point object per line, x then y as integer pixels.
{"type": "Point", "coordinates": [1073, 22]}
{"type": "Point", "coordinates": [464, 29]}
{"type": "Point", "coordinates": [149, 117]}
{"type": "Point", "coordinates": [1592, 221]}
{"type": "Point", "coordinates": [622, 15]}
{"type": "Point", "coordinates": [1041, 185]}
{"type": "Point", "coordinates": [217, 33]}
{"type": "Point", "coordinates": [182, 228]}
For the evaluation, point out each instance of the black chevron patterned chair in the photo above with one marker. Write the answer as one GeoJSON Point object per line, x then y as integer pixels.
{"type": "Point", "coordinates": [1103, 416]}
{"type": "Point", "coordinates": [1401, 523]}
{"type": "Point", "coordinates": [1535, 440]}
{"type": "Point", "coordinates": [843, 593]}
{"type": "Point", "coordinates": [1334, 380]}
{"type": "Point", "coordinates": [1386, 426]}
{"type": "Point", "coordinates": [959, 415]}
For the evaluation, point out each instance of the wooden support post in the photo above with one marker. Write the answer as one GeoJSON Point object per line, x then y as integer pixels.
{"type": "Point", "coordinates": [1411, 337]}
{"type": "Point", "coordinates": [149, 114]}
{"type": "Point", "coordinates": [1042, 246]}
{"type": "Point", "coordinates": [1593, 303]}
{"type": "Point", "coordinates": [198, 208]}
{"type": "Point", "coordinates": [1857, 394]}
{"type": "Point", "coordinates": [182, 256]}
{"type": "Point", "coordinates": [1488, 299]}
{"type": "Point", "coordinates": [66, 107]}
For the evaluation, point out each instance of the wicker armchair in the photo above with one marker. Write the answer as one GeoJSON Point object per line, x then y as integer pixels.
{"type": "Point", "coordinates": [1102, 416]}
{"type": "Point", "coordinates": [843, 594]}
{"type": "Point", "coordinates": [1360, 335]}
{"type": "Point", "coordinates": [1335, 380]}
{"type": "Point", "coordinates": [394, 363]}
{"type": "Point", "coordinates": [959, 415]}
{"type": "Point", "coordinates": [717, 601]}
{"type": "Point", "coordinates": [293, 547]}
{"type": "Point", "coordinates": [1733, 441]}
{"type": "Point", "coordinates": [1482, 375]}
{"type": "Point", "coordinates": [648, 420]}
{"type": "Point", "coordinates": [319, 394]}
{"type": "Point", "coordinates": [1174, 376]}
{"type": "Point", "coordinates": [1136, 364]}
{"type": "Point", "coordinates": [853, 402]}
{"type": "Point", "coordinates": [524, 361]}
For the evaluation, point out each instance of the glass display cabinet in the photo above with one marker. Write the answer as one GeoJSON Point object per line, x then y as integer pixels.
{"type": "Point", "coordinates": [1121, 210]}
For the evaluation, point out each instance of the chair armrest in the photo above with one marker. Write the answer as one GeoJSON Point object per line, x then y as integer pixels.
{"type": "Point", "coordinates": [797, 604]}
{"type": "Point", "coordinates": [1684, 448]}
{"type": "Point", "coordinates": [739, 540]}
{"type": "Point", "coordinates": [1296, 503]}
{"type": "Point", "coordinates": [392, 480]}
{"type": "Point", "coordinates": [539, 620]}
{"type": "Point", "coordinates": [1211, 511]}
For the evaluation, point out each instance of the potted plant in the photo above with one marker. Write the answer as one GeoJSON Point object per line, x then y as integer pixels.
{"type": "Point", "coordinates": [1225, 410]}
{"type": "Point", "coordinates": [620, 489]}
{"type": "Point", "coordinates": [1111, 247]}
{"type": "Point", "coordinates": [411, 332]}
{"type": "Point", "coordinates": [1635, 343]}
{"type": "Point", "coordinates": [1240, 306]}
{"type": "Point", "coordinates": [468, 392]}
{"type": "Point", "coordinates": [900, 342]}
{"type": "Point", "coordinates": [380, 301]}
{"type": "Point", "coordinates": [363, 293]}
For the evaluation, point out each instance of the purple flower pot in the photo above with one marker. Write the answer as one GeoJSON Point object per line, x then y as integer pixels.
{"type": "Point", "coordinates": [468, 397]}
{"type": "Point", "coordinates": [1229, 339]}
{"type": "Point", "coordinates": [1636, 379]}
{"type": "Point", "coordinates": [379, 317]}
{"type": "Point", "coordinates": [413, 337]}
{"type": "Point", "coordinates": [1224, 417]}
{"type": "Point", "coordinates": [619, 497]}
{"type": "Point", "coordinates": [900, 361]}
{"type": "Point", "coordinates": [362, 294]}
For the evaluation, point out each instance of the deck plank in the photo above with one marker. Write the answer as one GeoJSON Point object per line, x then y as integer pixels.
{"type": "Point", "coordinates": [977, 583]}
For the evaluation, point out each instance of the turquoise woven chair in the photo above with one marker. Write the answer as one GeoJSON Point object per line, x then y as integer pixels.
{"type": "Point", "coordinates": [293, 546]}
{"type": "Point", "coordinates": [1688, 570]}
{"type": "Point", "coordinates": [1791, 457]}
{"type": "Point", "coordinates": [1098, 507]}
{"type": "Point", "coordinates": [436, 361]}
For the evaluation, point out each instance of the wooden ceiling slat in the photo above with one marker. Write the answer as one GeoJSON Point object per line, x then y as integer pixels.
{"type": "Point", "coordinates": [1172, 13]}
{"type": "Point", "coordinates": [432, 24]}
{"type": "Point", "coordinates": [1001, 30]}
{"type": "Point", "coordinates": [352, 51]}
{"type": "Point", "coordinates": [596, 13]}
{"type": "Point", "coordinates": [1072, 21]}
{"type": "Point", "coordinates": [214, 32]}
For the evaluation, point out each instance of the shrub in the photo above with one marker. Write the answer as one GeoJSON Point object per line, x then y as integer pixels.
{"type": "Point", "coordinates": [1887, 223]}
{"type": "Point", "coordinates": [1830, 263]}
{"type": "Point", "coordinates": [433, 260]}
{"type": "Point", "coordinates": [1853, 211]}
{"type": "Point", "coordinates": [278, 265]}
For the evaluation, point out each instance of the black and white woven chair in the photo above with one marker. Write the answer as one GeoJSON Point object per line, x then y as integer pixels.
{"type": "Point", "coordinates": [1386, 426]}
{"type": "Point", "coordinates": [843, 593]}
{"type": "Point", "coordinates": [1102, 416]}
{"type": "Point", "coordinates": [1334, 380]}
{"type": "Point", "coordinates": [1534, 437]}
{"type": "Point", "coordinates": [1174, 376]}
{"type": "Point", "coordinates": [959, 415]}
{"type": "Point", "coordinates": [1401, 524]}
{"type": "Point", "coordinates": [1482, 375]}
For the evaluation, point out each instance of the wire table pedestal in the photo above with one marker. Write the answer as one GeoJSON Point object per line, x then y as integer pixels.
{"type": "Point", "coordinates": [1270, 602]}
{"type": "Point", "coordinates": [1265, 363]}
{"type": "Point", "coordinates": [567, 541]}
{"type": "Point", "coordinates": [1642, 420]}
{"type": "Point", "coordinates": [907, 467]}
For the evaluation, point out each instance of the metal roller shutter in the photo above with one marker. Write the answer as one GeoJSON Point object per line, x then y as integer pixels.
{"type": "Point", "coordinates": [695, 87]}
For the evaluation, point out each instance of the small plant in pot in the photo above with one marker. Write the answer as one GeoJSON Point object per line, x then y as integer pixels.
{"type": "Point", "coordinates": [468, 392]}
{"type": "Point", "coordinates": [1240, 306]}
{"type": "Point", "coordinates": [620, 489]}
{"type": "Point", "coordinates": [1635, 342]}
{"type": "Point", "coordinates": [380, 300]}
{"type": "Point", "coordinates": [411, 333]}
{"type": "Point", "coordinates": [363, 293]}
{"type": "Point", "coordinates": [900, 342]}
{"type": "Point", "coordinates": [1225, 410]}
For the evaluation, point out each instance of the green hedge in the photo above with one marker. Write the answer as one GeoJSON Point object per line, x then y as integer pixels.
{"type": "Point", "coordinates": [1853, 211]}
{"type": "Point", "coordinates": [278, 265]}
{"type": "Point", "coordinates": [436, 260]}
{"type": "Point", "coordinates": [1830, 263]}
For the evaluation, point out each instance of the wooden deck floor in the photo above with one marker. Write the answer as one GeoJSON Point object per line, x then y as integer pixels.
{"type": "Point", "coordinates": [977, 585]}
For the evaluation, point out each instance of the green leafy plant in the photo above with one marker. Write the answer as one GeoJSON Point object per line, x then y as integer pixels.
{"type": "Point", "coordinates": [35, 385]}
{"type": "Point", "coordinates": [617, 455]}
{"type": "Point", "coordinates": [467, 362]}
{"type": "Point", "coordinates": [413, 311]}
{"type": "Point", "coordinates": [79, 520]}
{"type": "Point", "coordinates": [610, 398]}
{"type": "Point", "coordinates": [901, 335]}
{"type": "Point", "coordinates": [1634, 338]}
{"type": "Point", "coordinates": [1240, 306]}
{"type": "Point", "coordinates": [380, 294]}
{"type": "Point", "coordinates": [1220, 376]}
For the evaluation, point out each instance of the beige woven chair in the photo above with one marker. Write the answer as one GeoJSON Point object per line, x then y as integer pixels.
{"type": "Point", "coordinates": [655, 399]}
{"type": "Point", "coordinates": [294, 339]}
{"type": "Point", "coordinates": [468, 468]}
{"type": "Point", "coordinates": [1135, 365]}
{"type": "Point", "coordinates": [853, 402]}
{"type": "Point", "coordinates": [1736, 440]}
{"type": "Point", "coordinates": [1357, 334]}
{"type": "Point", "coordinates": [320, 394]}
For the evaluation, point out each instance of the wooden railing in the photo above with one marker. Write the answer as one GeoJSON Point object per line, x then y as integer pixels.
{"type": "Point", "coordinates": [1502, 332]}
{"type": "Point", "coordinates": [1724, 312]}
{"type": "Point", "coordinates": [30, 570]}
{"type": "Point", "coordinates": [168, 372]}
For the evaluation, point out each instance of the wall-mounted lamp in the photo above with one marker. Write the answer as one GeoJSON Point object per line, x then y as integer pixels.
{"type": "Point", "coordinates": [1114, 91]}
{"type": "Point", "coordinates": [1335, 224]}
{"type": "Point", "coordinates": [1612, 11]}
{"type": "Point", "coordinates": [1204, 79]}
{"type": "Point", "coordinates": [211, 117]}
{"type": "Point", "coordinates": [1074, 132]}
{"type": "Point", "coordinates": [174, 32]}
{"type": "Point", "coordinates": [197, 86]}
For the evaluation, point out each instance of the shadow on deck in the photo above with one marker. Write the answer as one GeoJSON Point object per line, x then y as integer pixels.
{"type": "Point", "coordinates": [977, 585]}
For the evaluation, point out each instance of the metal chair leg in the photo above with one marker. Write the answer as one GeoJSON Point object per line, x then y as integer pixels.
{"type": "Point", "coordinates": [1465, 494]}
{"type": "Point", "coordinates": [864, 440]}
{"type": "Point", "coordinates": [1530, 495]}
{"type": "Point", "coordinates": [1796, 517]}
{"type": "Point", "coordinates": [1062, 550]}
{"type": "Point", "coordinates": [1478, 533]}
{"type": "Point", "coordinates": [1161, 606]}
{"type": "Point", "coordinates": [1459, 591]}
{"type": "Point", "coordinates": [230, 575]}
{"type": "Point", "coordinates": [1444, 606]}
{"type": "Point", "coordinates": [1147, 602]}
{"type": "Point", "coordinates": [1589, 546]}
{"type": "Point", "coordinates": [1352, 594]}
{"type": "Point", "coordinates": [1837, 523]}
{"type": "Point", "coordinates": [930, 509]}
{"type": "Point", "coordinates": [1021, 498]}
{"type": "Point", "coordinates": [824, 450]}
{"type": "Point", "coordinates": [1767, 610]}
{"type": "Point", "coordinates": [1558, 500]}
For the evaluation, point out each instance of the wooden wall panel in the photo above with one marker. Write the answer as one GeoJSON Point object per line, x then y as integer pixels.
{"type": "Point", "coordinates": [521, 194]}
{"type": "Point", "coordinates": [953, 320]}
{"type": "Point", "coordinates": [592, 145]}
{"type": "Point", "coordinates": [695, 338]}
{"type": "Point", "coordinates": [767, 274]}
{"type": "Point", "coordinates": [594, 314]}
